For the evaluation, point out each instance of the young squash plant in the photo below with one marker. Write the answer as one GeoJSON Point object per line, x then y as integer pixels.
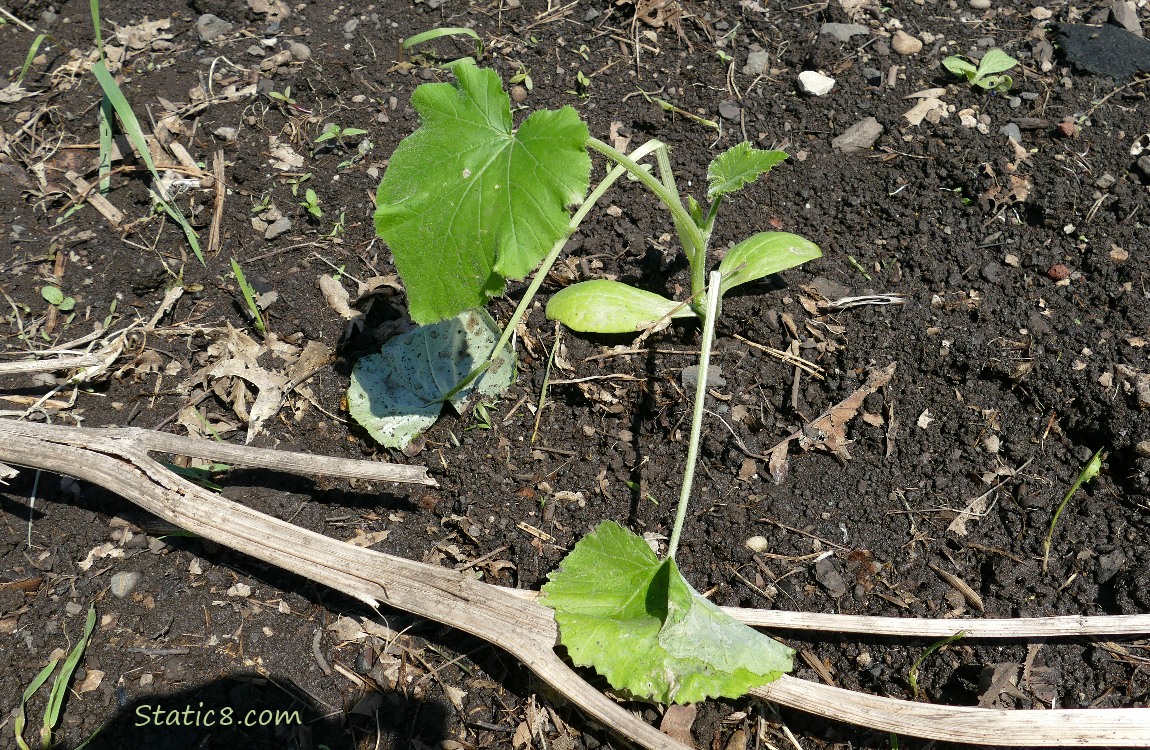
{"type": "Point", "coordinates": [468, 201]}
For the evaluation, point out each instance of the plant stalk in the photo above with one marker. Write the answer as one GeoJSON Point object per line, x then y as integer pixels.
{"type": "Point", "coordinates": [713, 292]}
{"type": "Point", "coordinates": [552, 256]}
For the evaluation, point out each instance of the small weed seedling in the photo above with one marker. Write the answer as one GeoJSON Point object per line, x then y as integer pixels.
{"type": "Point", "coordinates": [469, 201]}
{"type": "Point", "coordinates": [249, 298]}
{"type": "Point", "coordinates": [53, 296]}
{"type": "Point", "coordinates": [333, 132]}
{"type": "Point", "coordinates": [311, 203]}
{"type": "Point", "coordinates": [988, 74]}
{"type": "Point", "coordinates": [1091, 470]}
{"type": "Point", "coordinates": [58, 693]}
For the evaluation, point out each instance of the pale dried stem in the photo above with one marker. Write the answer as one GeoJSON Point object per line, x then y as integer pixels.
{"type": "Point", "coordinates": [117, 460]}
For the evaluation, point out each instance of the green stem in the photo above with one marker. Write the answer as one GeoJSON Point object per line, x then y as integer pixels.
{"type": "Point", "coordinates": [690, 235]}
{"type": "Point", "coordinates": [713, 292]}
{"type": "Point", "coordinates": [545, 267]}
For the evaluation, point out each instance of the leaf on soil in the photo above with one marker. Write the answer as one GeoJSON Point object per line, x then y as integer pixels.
{"type": "Point", "coordinates": [397, 394]}
{"type": "Point", "coordinates": [14, 92]}
{"type": "Point", "coordinates": [467, 200]}
{"type": "Point", "coordinates": [762, 254]}
{"type": "Point", "coordinates": [605, 306]}
{"type": "Point", "coordinates": [637, 621]}
{"type": "Point", "coordinates": [739, 166]}
{"type": "Point", "coordinates": [828, 431]}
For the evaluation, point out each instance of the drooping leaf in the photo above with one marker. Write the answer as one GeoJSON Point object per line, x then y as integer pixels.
{"type": "Point", "coordinates": [763, 254]}
{"type": "Point", "coordinates": [641, 625]}
{"type": "Point", "coordinates": [605, 306]}
{"type": "Point", "coordinates": [738, 166]}
{"type": "Point", "coordinates": [397, 394]}
{"type": "Point", "coordinates": [467, 200]}
{"type": "Point", "coordinates": [995, 61]}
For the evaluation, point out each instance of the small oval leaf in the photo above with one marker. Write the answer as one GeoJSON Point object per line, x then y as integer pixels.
{"type": "Point", "coordinates": [52, 295]}
{"type": "Point", "coordinates": [604, 306]}
{"type": "Point", "coordinates": [739, 166]}
{"type": "Point", "coordinates": [763, 254]}
{"type": "Point", "coordinates": [995, 61]}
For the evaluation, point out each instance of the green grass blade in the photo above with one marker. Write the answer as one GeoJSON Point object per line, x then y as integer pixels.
{"type": "Point", "coordinates": [30, 56]}
{"type": "Point", "coordinates": [106, 116]}
{"type": "Point", "coordinates": [60, 684]}
{"type": "Point", "coordinates": [1093, 466]}
{"type": "Point", "coordinates": [431, 34]}
{"type": "Point", "coordinates": [94, 7]}
{"type": "Point", "coordinates": [912, 677]}
{"type": "Point", "coordinates": [249, 296]}
{"type": "Point", "coordinates": [21, 718]}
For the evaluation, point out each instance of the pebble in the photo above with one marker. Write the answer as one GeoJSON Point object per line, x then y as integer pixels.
{"type": "Point", "coordinates": [1058, 272]}
{"type": "Point", "coordinates": [73, 608]}
{"type": "Point", "coordinates": [873, 76]}
{"type": "Point", "coordinates": [756, 63]}
{"type": "Point", "coordinates": [827, 574]}
{"type": "Point", "coordinates": [1106, 181]}
{"type": "Point", "coordinates": [1011, 130]}
{"type": "Point", "coordinates": [690, 377]}
{"type": "Point", "coordinates": [277, 227]}
{"type": "Point", "coordinates": [350, 27]}
{"type": "Point", "coordinates": [1125, 14]}
{"type": "Point", "coordinates": [815, 83]}
{"type": "Point", "coordinates": [980, 4]}
{"type": "Point", "coordinates": [124, 583]}
{"type": "Point", "coordinates": [905, 44]}
{"type": "Point", "coordinates": [859, 137]}
{"type": "Point", "coordinates": [992, 272]}
{"type": "Point", "coordinates": [757, 544]}
{"type": "Point", "coordinates": [843, 31]}
{"type": "Point", "coordinates": [255, 50]}
{"type": "Point", "coordinates": [1040, 13]}
{"type": "Point", "coordinates": [518, 94]}
{"type": "Point", "coordinates": [730, 110]}
{"type": "Point", "coordinates": [225, 133]}
{"type": "Point", "coordinates": [300, 52]}
{"type": "Point", "coordinates": [208, 27]}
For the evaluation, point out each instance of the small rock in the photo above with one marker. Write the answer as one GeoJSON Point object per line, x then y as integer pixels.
{"type": "Point", "coordinates": [73, 608]}
{"type": "Point", "coordinates": [350, 27]}
{"type": "Point", "coordinates": [1109, 564]}
{"type": "Point", "coordinates": [591, 15]}
{"type": "Point", "coordinates": [872, 76]}
{"type": "Point", "coordinates": [859, 137]}
{"type": "Point", "coordinates": [1040, 13]}
{"type": "Point", "coordinates": [830, 578]}
{"type": "Point", "coordinates": [690, 377]}
{"type": "Point", "coordinates": [1058, 272]}
{"type": "Point", "coordinates": [255, 50]}
{"type": "Point", "coordinates": [980, 4]}
{"type": "Point", "coordinates": [300, 52]}
{"type": "Point", "coordinates": [756, 63]}
{"type": "Point", "coordinates": [992, 444]}
{"type": "Point", "coordinates": [226, 133]}
{"type": "Point", "coordinates": [815, 83]}
{"type": "Point", "coordinates": [757, 544]}
{"type": "Point", "coordinates": [1106, 181]}
{"type": "Point", "coordinates": [843, 31]}
{"type": "Point", "coordinates": [1011, 130]}
{"type": "Point", "coordinates": [1144, 164]}
{"type": "Point", "coordinates": [208, 27]}
{"type": "Point", "coordinates": [992, 272]}
{"type": "Point", "coordinates": [1125, 14]}
{"type": "Point", "coordinates": [1143, 449]}
{"type": "Point", "coordinates": [277, 227]}
{"type": "Point", "coordinates": [518, 94]}
{"type": "Point", "coordinates": [905, 44]}
{"type": "Point", "coordinates": [730, 110]}
{"type": "Point", "coordinates": [1068, 129]}
{"type": "Point", "coordinates": [124, 583]}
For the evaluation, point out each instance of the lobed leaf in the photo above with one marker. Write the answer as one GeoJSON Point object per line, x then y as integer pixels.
{"type": "Point", "coordinates": [397, 394]}
{"type": "Point", "coordinates": [637, 621]}
{"type": "Point", "coordinates": [604, 306]}
{"type": "Point", "coordinates": [467, 201]}
{"type": "Point", "coordinates": [738, 166]}
{"type": "Point", "coordinates": [763, 254]}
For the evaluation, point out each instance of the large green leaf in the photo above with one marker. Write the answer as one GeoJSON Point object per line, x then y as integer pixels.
{"type": "Point", "coordinates": [467, 201]}
{"type": "Point", "coordinates": [640, 624]}
{"type": "Point", "coordinates": [763, 254]}
{"type": "Point", "coordinates": [397, 394]}
{"type": "Point", "coordinates": [605, 306]}
{"type": "Point", "coordinates": [738, 166]}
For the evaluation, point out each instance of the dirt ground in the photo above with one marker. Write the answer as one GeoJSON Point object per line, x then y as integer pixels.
{"type": "Point", "coordinates": [1020, 350]}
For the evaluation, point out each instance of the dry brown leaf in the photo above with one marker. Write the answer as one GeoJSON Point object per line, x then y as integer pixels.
{"type": "Point", "coordinates": [143, 35]}
{"type": "Point", "coordinates": [677, 723]}
{"type": "Point", "coordinates": [368, 539]}
{"type": "Point", "coordinates": [91, 681]}
{"type": "Point", "coordinates": [828, 431]}
{"type": "Point", "coordinates": [522, 736]}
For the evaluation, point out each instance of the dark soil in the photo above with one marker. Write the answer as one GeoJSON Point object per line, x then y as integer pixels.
{"type": "Point", "coordinates": [1019, 353]}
